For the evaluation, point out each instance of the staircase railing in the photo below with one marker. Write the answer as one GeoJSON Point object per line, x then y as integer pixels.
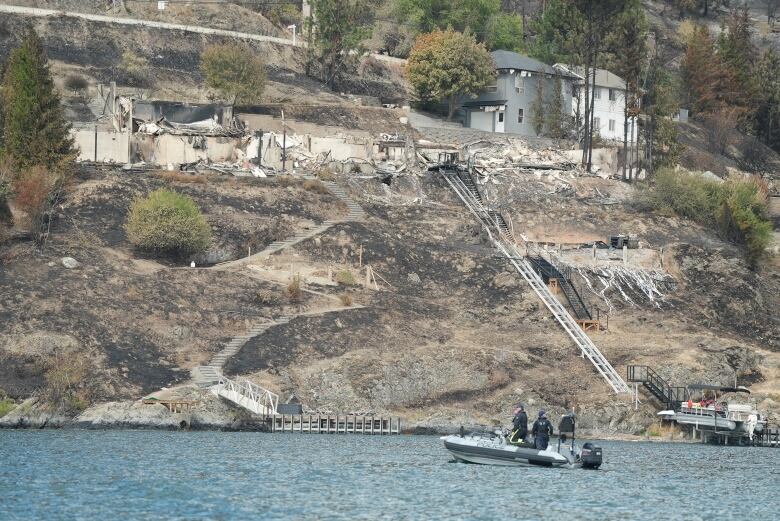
{"type": "Point", "coordinates": [669, 395]}
{"type": "Point", "coordinates": [506, 245]}
{"type": "Point", "coordinates": [248, 395]}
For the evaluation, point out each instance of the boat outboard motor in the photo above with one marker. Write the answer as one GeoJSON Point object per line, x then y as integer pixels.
{"type": "Point", "coordinates": [590, 456]}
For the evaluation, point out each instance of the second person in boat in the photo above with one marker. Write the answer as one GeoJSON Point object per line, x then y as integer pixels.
{"type": "Point", "coordinates": [542, 430]}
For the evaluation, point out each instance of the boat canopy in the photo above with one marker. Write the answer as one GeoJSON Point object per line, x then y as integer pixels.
{"type": "Point", "coordinates": [710, 387]}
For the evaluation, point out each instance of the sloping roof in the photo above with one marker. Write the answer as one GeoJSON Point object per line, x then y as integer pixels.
{"type": "Point", "coordinates": [513, 60]}
{"type": "Point", "coordinates": [489, 103]}
{"type": "Point", "coordinates": [604, 78]}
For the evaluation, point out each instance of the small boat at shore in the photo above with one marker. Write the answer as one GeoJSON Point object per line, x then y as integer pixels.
{"type": "Point", "coordinates": [492, 448]}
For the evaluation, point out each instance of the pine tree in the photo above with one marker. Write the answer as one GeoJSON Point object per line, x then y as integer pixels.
{"type": "Point", "coordinates": [767, 119]}
{"type": "Point", "coordinates": [739, 55]}
{"type": "Point", "coordinates": [537, 108]}
{"type": "Point", "coordinates": [628, 45]}
{"type": "Point", "coordinates": [35, 132]}
{"type": "Point", "coordinates": [554, 117]}
{"type": "Point", "coordinates": [708, 83]}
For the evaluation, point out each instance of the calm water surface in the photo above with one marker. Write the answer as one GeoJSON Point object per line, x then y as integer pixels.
{"type": "Point", "coordinates": [214, 475]}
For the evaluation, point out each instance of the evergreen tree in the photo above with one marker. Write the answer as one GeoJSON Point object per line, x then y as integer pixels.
{"type": "Point", "coordinates": [708, 83]}
{"type": "Point", "coordinates": [35, 131]}
{"type": "Point", "coordinates": [628, 46]}
{"type": "Point", "coordinates": [338, 29]}
{"type": "Point", "coordinates": [554, 117]}
{"type": "Point", "coordinates": [767, 118]}
{"type": "Point", "coordinates": [537, 108]}
{"type": "Point", "coordinates": [738, 55]}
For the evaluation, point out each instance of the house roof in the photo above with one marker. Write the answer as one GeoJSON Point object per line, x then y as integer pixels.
{"type": "Point", "coordinates": [489, 103]}
{"type": "Point", "coordinates": [604, 78]}
{"type": "Point", "coordinates": [513, 60]}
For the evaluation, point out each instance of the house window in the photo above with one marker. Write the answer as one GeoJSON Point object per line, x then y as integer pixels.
{"type": "Point", "coordinates": [612, 95]}
{"type": "Point", "coordinates": [597, 124]}
{"type": "Point", "coordinates": [520, 115]}
{"type": "Point", "coordinates": [519, 84]}
{"type": "Point", "coordinates": [500, 117]}
{"type": "Point", "coordinates": [493, 87]}
{"type": "Point", "coordinates": [597, 92]}
{"type": "Point", "coordinates": [611, 125]}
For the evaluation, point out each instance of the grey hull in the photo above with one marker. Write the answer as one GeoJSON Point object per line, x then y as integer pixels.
{"type": "Point", "coordinates": [508, 455]}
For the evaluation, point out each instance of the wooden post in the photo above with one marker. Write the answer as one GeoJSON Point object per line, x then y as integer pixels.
{"type": "Point", "coordinates": [594, 250]}
{"type": "Point", "coordinates": [360, 256]}
{"type": "Point", "coordinates": [625, 254]}
{"type": "Point", "coordinates": [368, 276]}
{"type": "Point", "coordinates": [372, 425]}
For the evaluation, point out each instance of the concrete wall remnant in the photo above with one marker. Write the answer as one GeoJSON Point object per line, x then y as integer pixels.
{"type": "Point", "coordinates": [102, 145]}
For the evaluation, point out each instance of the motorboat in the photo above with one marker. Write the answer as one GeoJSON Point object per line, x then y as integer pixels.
{"type": "Point", "coordinates": [717, 416]}
{"type": "Point", "coordinates": [493, 448]}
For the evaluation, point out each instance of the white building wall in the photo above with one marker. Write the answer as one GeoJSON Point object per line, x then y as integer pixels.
{"type": "Point", "coordinates": [608, 114]}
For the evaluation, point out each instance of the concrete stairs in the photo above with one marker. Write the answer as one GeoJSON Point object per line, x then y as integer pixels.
{"type": "Point", "coordinates": [355, 213]}
{"type": "Point", "coordinates": [208, 375]}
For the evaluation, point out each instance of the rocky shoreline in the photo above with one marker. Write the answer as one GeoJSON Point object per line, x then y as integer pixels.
{"type": "Point", "coordinates": [213, 414]}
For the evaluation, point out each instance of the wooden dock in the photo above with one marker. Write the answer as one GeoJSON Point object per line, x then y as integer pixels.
{"type": "Point", "coordinates": [334, 424]}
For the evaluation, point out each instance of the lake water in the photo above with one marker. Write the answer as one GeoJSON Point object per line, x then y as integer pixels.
{"type": "Point", "coordinates": [214, 475]}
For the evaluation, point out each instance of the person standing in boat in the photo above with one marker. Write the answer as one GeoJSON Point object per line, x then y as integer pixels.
{"type": "Point", "coordinates": [519, 426]}
{"type": "Point", "coordinates": [542, 430]}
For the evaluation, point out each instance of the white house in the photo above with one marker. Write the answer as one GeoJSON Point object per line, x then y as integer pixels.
{"type": "Point", "coordinates": [609, 105]}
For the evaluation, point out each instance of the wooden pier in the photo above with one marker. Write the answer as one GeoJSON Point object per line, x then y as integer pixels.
{"type": "Point", "coordinates": [334, 424]}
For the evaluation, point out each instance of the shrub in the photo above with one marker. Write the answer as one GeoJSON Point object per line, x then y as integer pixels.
{"type": "Point", "coordinates": [76, 83]}
{"type": "Point", "coordinates": [6, 405]}
{"type": "Point", "coordinates": [268, 298]}
{"type": "Point", "coordinates": [737, 208]}
{"type": "Point", "coordinates": [314, 186]}
{"type": "Point", "coordinates": [743, 216]}
{"type": "Point", "coordinates": [685, 194]}
{"type": "Point", "coordinates": [169, 223]}
{"type": "Point", "coordinates": [346, 299]}
{"type": "Point", "coordinates": [326, 175]}
{"type": "Point", "coordinates": [346, 278]}
{"type": "Point", "coordinates": [295, 290]}
{"type": "Point", "coordinates": [32, 189]}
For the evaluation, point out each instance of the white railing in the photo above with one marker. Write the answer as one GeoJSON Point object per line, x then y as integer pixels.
{"type": "Point", "coordinates": [509, 249]}
{"type": "Point", "coordinates": [248, 395]}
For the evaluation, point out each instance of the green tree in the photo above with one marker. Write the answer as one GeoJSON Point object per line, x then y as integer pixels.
{"type": "Point", "coordinates": [538, 108]}
{"type": "Point", "coordinates": [628, 47]}
{"type": "Point", "coordinates": [767, 119]}
{"type": "Point", "coordinates": [554, 116]}
{"type": "Point", "coordinates": [234, 72]}
{"type": "Point", "coordinates": [505, 31]}
{"type": "Point", "coordinates": [483, 18]}
{"type": "Point", "coordinates": [661, 102]}
{"type": "Point", "coordinates": [169, 223]}
{"type": "Point", "coordinates": [338, 29]}
{"type": "Point", "coordinates": [35, 131]}
{"type": "Point", "coordinates": [448, 66]}
{"type": "Point", "coordinates": [560, 33]}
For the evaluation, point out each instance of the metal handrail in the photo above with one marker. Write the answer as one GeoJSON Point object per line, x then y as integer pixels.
{"type": "Point", "coordinates": [508, 247]}
{"type": "Point", "coordinates": [243, 387]}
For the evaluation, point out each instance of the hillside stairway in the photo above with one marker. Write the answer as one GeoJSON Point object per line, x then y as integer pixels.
{"type": "Point", "coordinates": [549, 271]}
{"type": "Point", "coordinates": [668, 395]}
{"type": "Point", "coordinates": [501, 236]}
{"type": "Point", "coordinates": [210, 374]}
{"type": "Point", "coordinates": [355, 213]}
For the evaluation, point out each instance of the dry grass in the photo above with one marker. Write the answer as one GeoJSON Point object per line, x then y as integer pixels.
{"type": "Point", "coordinates": [270, 298]}
{"type": "Point", "coordinates": [346, 299]}
{"type": "Point", "coordinates": [326, 175]}
{"type": "Point", "coordinates": [181, 177]}
{"type": "Point", "coordinates": [314, 186]}
{"type": "Point", "coordinates": [346, 278]}
{"type": "Point", "coordinates": [295, 290]}
{"type": "Point", "coordinates": [287, 180]}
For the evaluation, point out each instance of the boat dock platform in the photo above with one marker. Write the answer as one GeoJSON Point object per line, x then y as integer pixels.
{"type": "Point", "coordinates": [333, 424]}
